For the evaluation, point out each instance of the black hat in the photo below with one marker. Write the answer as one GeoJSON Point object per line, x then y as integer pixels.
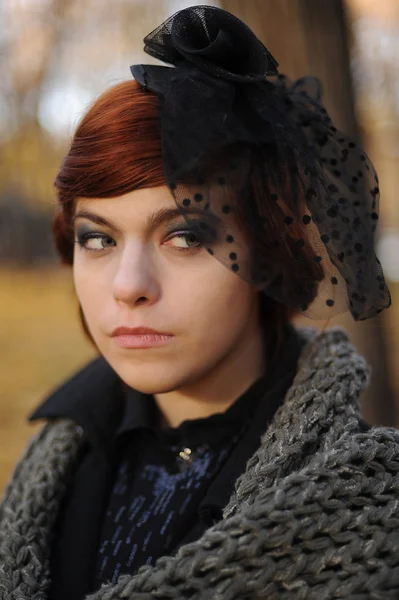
{"type": "Point", "coordinates": [242, 144]}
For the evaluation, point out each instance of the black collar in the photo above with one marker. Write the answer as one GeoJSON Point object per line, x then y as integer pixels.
{"type": "Point", "coordinates": [140, 410]}
{"type": "Point", "coordinates": [93, 398]}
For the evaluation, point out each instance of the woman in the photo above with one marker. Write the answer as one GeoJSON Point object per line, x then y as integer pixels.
{"type": "Point", "coordinates": [216, 451]}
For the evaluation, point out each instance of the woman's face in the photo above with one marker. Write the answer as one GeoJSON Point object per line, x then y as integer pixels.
{"type": "Point", "coordinates": [139, 270]}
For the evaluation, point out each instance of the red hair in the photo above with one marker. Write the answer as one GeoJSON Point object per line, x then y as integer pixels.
{"type": "Point", "coordinates": [116, 149]}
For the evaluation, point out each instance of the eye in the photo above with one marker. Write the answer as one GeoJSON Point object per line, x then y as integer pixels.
{"type": "Point", "coordinates": [97, 241]}
{"type": "Point", "coordinates": [186, 240]}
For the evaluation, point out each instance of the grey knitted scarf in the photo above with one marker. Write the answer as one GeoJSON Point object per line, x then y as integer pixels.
{"type": "Point", "coordinates": [314, 516]}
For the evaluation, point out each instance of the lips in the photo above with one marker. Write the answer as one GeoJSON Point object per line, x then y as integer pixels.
{"type": "Point", "coordinates": [137, 331]}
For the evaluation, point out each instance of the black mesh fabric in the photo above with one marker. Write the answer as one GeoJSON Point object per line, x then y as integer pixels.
{"type": "Point", "coordinates": [265, 181]}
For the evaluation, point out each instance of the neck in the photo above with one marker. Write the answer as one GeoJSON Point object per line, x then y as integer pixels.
{"type": "Point", "coordinates": [220, 387]}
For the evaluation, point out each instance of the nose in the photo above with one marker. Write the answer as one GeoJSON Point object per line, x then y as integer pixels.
{"type": "Point", "coordinates": [135, 278]}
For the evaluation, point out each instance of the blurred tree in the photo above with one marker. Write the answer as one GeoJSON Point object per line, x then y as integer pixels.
{"type": "Point", "coordinates": [313, 37]}
{"type": "Point", "coordinates": [51, 54]}
{"type": "Point", "coordinates": [25, 233]}
{"type": "Point", "coordinates": [26, 55]}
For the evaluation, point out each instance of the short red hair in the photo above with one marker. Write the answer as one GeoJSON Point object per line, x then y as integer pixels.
{"type": "Point", "coordinates": [116, 149]}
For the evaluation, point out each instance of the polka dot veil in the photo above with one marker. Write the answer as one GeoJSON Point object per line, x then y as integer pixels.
{"type": "Point", "coordinates": [264, 180]}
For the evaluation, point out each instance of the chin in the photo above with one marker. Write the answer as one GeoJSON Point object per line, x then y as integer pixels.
{"type": "Point", "coordinates": [155, 381]}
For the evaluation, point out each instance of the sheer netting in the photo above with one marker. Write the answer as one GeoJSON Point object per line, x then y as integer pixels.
{"type": "Point", "coordinates": [263, 178]}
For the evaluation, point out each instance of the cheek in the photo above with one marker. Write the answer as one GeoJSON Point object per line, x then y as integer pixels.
{"type": "Point", "coordinates": [83, 284]}
{"type": "Point", "coordinates": [89, 291]}
{"type": "Point", "coordinates": [216, 308]}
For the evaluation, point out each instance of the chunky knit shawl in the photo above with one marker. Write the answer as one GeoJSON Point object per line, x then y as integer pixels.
{"type": "Point", "coordinates": [314, 516]}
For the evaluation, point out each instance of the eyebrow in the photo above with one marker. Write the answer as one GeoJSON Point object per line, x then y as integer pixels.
{"type": "Point", "coordinates": [156, 219]}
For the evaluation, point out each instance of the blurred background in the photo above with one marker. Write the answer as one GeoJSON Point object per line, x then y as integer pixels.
{"type": "Point", "coordinates": [56, 56]}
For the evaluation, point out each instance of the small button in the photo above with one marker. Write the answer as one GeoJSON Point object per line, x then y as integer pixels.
{"type": "Point", "coordinates": [185, 454]}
